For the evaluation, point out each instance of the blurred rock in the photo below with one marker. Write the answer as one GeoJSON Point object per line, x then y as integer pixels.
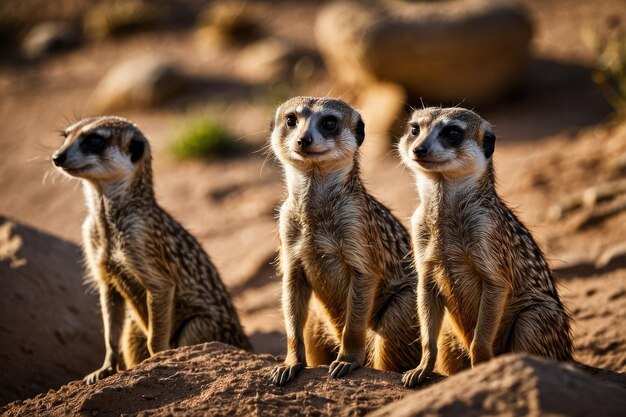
{"type": "Point", "coordinates": [119, 17]}
{"type": "Point", "coordinates": [50, 325]}
{"type": "Point", "coordinates": [229, 22]}
{"type": "Point", "coordinates": [514, 385]}
{"type": "Point", "coordinates": [621, 163]}
{"type": "Point", "coordinates": [49, 37]}
{"type": "Point", "coordinates": [565, 208]}
{"type": "Point", "coordinates": [449, 51]}
{"type": "Point", "coordinates": [381, 106]}
{"type": "Point", "coordinates": [139, 82]}
{"type": "Point", "coordinates": [613, 257]}
{"type": "Point", "coordinates": [264, 61]}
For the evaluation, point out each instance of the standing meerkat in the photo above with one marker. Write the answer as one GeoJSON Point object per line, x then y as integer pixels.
{"type": "Point", "coordinates": [158, 288]}
{"type": "Point", "coordinates": [477, 263]}
{"type": "Point", "coordinates": [348, 281]}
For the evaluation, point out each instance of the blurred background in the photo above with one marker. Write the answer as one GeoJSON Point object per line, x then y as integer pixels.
{"type": "Point", "coordinates": [202, 80]}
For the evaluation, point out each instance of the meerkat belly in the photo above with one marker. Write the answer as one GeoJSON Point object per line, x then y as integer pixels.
{"type": "Point", "coordinates": [461, 285]}
{"type": "Point", "coordinates": [131, 288]}
{"type": "Point", "coordinates": [327, 268]}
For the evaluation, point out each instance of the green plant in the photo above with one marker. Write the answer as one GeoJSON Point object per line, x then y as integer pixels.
{"type": "Point", "coordinates": [610, 66]}
{"type": "Point", "coordinates": [204, 138]}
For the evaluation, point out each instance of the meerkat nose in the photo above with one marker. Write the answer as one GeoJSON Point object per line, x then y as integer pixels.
{"type": "Point", "coordinates": [59, 158]}
{"type": "Point", "coordinates": [305, 140]}
{"type": "Point", "coordinates": [420, 150]}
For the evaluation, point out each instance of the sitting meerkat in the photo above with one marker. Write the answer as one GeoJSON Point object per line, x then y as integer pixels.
{"type": "Point", "coordinates": [157, 286]}
{"type": "Point", "coordinates": [349, 287]}
{"type": "Point", "coordinates": [477, 263]}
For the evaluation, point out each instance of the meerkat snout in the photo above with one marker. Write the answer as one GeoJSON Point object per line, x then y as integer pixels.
{"type": "Point", "coordinates": [305, 140]}
{"type": "Point", "coordinates": [59, 158]}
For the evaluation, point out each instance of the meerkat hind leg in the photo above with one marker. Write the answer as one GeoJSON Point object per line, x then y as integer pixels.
{"type": "Point", "coordinates": [197, 330]}
{"type": "Point", "coordinates": [395, 343]}
{"type": "Point", "coordinates": [452, 357]}
{"type": "Point", "coordinates": [134, 344]}
{"type": "Point", "coordinates": [542, 330]}
{"type": "Point", "coordinates": [321, 345]}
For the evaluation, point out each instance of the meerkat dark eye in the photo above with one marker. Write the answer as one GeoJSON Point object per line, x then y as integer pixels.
{"type": "Point", "coordinates": [329, 123]}
{"type": "Point", "coordinates": [292, 121]}
{"type": "Point", "coordinates": [453, 134]}
{"type": "Point", "coordinates": [93, 142]}
{"type": "Point", "coordinates": [415, 130]}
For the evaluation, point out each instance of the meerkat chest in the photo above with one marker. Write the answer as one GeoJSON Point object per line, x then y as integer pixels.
{"type": "Point", "coordinates": [451, 239]}
{"type": "Point", "coordinates": [328, 246]}
{"type": "Point", "coordinates": [329, 239]}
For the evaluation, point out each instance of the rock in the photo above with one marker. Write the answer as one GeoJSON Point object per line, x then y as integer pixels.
{"type": "Point", "coordinates": [264, 61]}
{"type": "Point", "coordinates": [596, 215]}
{"type": "Point", "coordinates": [217, 379]}
{"type": "Point", "coordinates": [47, 38]}
{"type": "Point", "coordinates": [139, 82]}
{"type": "Point", "coordinates": [119, 17]}
{"type": "Point", "coordinates": [613, 258]}
{"type": "Point", "coordinates": [566, 207]}
{"type": "Point", "coordinates": [50, 326]}
{"type": "Point", "coordinates": [473, 50]}
{"type": "Point", "coordinates": [514, 385]}
{"type": "Point", "coordinates": [229, 22]}
{"type": "Point", "coordinates": [381, 106]}
{"type": "Point", "coordinates": [603, 192]}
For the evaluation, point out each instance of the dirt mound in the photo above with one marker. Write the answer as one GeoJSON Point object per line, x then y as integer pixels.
{"type": "Point", "coordinates": [217, 379]}
{"type": "Point", "coordinates": [50, 326]}
{"type": "Point", "coordinates": [515, 385]}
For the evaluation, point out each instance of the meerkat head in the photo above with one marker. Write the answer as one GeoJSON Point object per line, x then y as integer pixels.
{"type": "Point", "coordinates": [450, 141]}
{"type": "Point", "coordinates": [101, 149]}
{"type": "Point", "coordinates": [312, 132]}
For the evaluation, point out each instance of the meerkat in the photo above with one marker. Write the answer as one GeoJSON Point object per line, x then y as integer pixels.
{"type": "Point", "coordinates": [348, 284]}
{"type": "Point", "coordinates": [158, 288]}
{"type": "Point", "coordinates": [481, 274]}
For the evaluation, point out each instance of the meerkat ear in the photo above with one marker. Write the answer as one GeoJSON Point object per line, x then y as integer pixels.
{"type": "Point", "coordinates": [489, 144]}
{"type": "Point", "coordinates": [272, 124]}
{"type": "Point", "coordinates": [359, 131]}
{"type": "Point", "coordinates": [136, 148]}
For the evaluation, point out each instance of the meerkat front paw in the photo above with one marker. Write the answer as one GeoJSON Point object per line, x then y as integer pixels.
{"type": "Point", "coordinates": [415, 377]}
{"type": "Point", "coordinates": [106, 370]}
{"type": "Point", "coordinates": [285, 373]}
{"type": "Point", "coordinates": [343, 366]}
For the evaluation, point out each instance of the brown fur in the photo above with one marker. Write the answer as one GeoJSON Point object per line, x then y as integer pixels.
{"type": "Point", "coordinates": [348, 282]}
{"type": "Point", "coordinates": [158, 288]}
{"type": "Point", "coordinates": [478, 265]}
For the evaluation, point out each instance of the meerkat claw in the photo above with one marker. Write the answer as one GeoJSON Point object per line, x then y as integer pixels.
{"type": "Point", "coordinates": [101, 373]}
{"type": "Point", "coordinates": [282, 374]}
{"type": "Point", "coordinates": [339, 368]}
